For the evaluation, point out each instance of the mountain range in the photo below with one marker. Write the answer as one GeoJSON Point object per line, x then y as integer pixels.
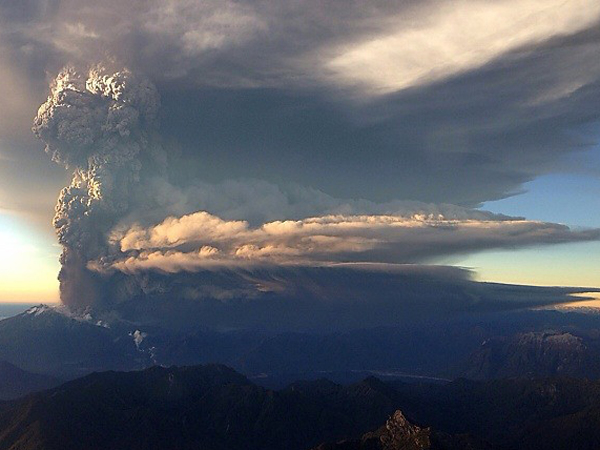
{"type": "Point", "coordinates": [208, 407]}
{"type": "Point", "coordinates": [214, 407]}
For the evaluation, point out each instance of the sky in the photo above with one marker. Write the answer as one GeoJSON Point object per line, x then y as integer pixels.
{"type": "Point", "coordinates": [232, 135]}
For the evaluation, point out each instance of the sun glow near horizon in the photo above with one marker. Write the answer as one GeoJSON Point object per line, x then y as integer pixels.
{"type": "Point", "coordinates": [28, 266]}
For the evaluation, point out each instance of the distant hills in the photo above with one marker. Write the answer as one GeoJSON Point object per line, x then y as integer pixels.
{"type": "Point", "coordinates": [51, 341]}
{"type": "Point", "coordinates": [544, 353]}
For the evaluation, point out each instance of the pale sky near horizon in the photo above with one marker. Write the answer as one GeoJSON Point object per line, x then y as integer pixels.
{"type": "Point", "coordinates": [461, 106]}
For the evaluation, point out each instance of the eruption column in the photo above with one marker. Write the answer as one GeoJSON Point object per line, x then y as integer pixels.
{"type": "Point", "coordinates": [103, 126]}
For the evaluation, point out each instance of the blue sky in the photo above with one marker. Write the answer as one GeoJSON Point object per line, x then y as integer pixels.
{"type": "Point", "coordinates": [569, 198]}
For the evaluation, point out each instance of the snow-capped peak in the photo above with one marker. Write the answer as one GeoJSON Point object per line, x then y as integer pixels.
{"type": "Point", "coordinates": [40, 309]}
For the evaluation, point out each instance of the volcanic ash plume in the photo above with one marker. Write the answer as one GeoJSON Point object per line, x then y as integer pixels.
{"type": "Point", "coordinates": [101, 125]}
{"type": "Point", "coordinates": [241, 251]}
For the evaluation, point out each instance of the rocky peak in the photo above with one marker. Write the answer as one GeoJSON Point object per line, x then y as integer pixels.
{"type": "Point", "coordinates": [400, 433]}
{"type": "Point", "coordinates": [397, 434]}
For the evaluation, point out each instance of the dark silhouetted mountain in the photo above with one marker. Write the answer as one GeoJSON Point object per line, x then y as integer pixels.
{"type": "Point", "coordinates": [15, 382]}
{"type": "Point", "coordinates": [512, 414]}
{"type": "Point", "coordinates": [535, 354]}
{"type": "Point", "coordinates": [208, 407]}
{"type": "Point", "coordinates": [214, 407]}
{"type": "Point", "coordinates": [580, 431]}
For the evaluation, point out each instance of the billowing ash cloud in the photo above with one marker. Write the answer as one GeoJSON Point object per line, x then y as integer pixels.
{"type": "Point", "coordinates": [102, 125]}
{"type": "Point", "coordinates": [129, 233]}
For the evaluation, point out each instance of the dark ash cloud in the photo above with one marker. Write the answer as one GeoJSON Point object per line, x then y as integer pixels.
{"type": "Point", "coordinates": [248, 93]}
{"type": "Point", "coordinates": [116, 240]}
{"type": "Point", "coordinates": [318, 298]}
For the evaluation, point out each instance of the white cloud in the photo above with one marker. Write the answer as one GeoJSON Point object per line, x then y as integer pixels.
{"type": "Point", "coordinates": [202, 240]}
{"type": "Point", "coordinates": [454, 37]}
